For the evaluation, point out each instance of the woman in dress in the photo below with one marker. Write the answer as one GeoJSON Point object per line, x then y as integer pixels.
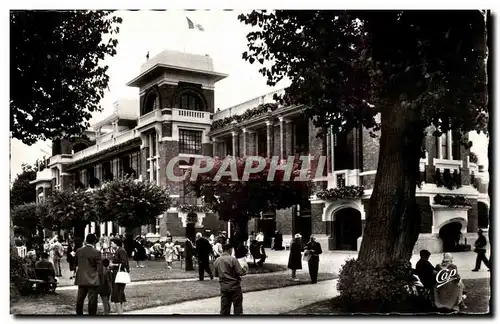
{"type": "Point", "coordinates": [139, 252]}
{"type": "Point", "coordinates": [70, 257]}
{"type": "Point", "coordinates": [188, 254]}
{"type": "Point", "coordinates": [295, 258]}
{"type": "Point", "coordinates": [169, 252]}
{"type": "Point", "coordinates": [313, 248]}
{"type": "Point", "coordinates": [120, 261]}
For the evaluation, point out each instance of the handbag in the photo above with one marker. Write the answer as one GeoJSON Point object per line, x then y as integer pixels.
{"type": "Point", "coordinates": [307, 256]}
{"type": "Point", "coordinates": [122, 277]}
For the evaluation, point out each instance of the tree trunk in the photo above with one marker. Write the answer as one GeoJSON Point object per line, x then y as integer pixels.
{"type": "Point", "coordinates": [240, 235]}
{"type": "Point", "coordinates": [393, 223]}
{"type": "Point", "coordinates": [80, 232]}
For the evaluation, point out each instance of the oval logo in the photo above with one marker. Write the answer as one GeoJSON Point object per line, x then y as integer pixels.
{"type": "Point", "coordinates": [444, 276]}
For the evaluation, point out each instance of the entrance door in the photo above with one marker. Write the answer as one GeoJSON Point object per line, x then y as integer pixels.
{"type": "Point", "coordinates": [347, 229]}
{"type": "Point", "coordinates": [450, 235]}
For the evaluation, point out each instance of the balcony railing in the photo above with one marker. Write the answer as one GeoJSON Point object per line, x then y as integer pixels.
{"type": "Point", "coordinates": [451, 165]}
{"type": "Point", "coordinates": [106, 142]}
{"type": "Point", "coordinates": [191, 116]}
{"type": "Point", "coordinates": [342, 178]}
{"type": "Point", "coordinates": [149, 118]}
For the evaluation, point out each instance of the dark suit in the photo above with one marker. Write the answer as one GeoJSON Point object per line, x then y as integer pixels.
{"type": "Point", "coordinates": [88, 273]}
{"type": "Point", "coordinates": [203, 251]}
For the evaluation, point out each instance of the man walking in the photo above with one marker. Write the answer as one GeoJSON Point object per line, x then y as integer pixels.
{"type": "Point", "coordinates": [58, 252]}
{"type": "Point", "coordinates": [203, 251]}
{"type": "Point", "coordinates": [88, 273]}
{"type": "Point", "coordinates": [229, 271]}
{"type": "Point", "coordinates": [480, 249]}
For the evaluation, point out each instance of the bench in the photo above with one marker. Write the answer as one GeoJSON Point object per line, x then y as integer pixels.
{"type": "Point", "coordinates": [42, 283]}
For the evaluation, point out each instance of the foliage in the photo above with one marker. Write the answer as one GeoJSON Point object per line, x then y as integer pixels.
{"type": "Point", "coordinates": [347, 192]}
{"type": "Point", "coordinates": [26, 217]}
{"type": "Point", "coordinates": [70, 209]}
{"type": "Point", "coordinates": [371, 288]}
{"type": "Point", "coordinates": [448, 180]}
{"type": "Point", "coordinates": [452, 201]}
{"type": "Point", "coordinates": [57, 75]}
{"type": "Point", "coordinates": [131, 203]}
{"type": "Point", "coordinates": [237, 201]}
{"type": "Point", "coordinates": [473, 157]}
{"type": "Point", "coordinates": [193, 209]}
{"type": "Point", "coordinates": [20, 271]}
{"type": "Point", "coordinates": [22, 191]}
{"type": "Point", "coordinates": [247, 115]}
{"type": "Point", "coordinates": [415, 68]}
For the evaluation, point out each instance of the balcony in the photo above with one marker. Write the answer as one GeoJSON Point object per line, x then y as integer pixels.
{"type": "Point", "coordinates": [105, 142]}
{"type": "Point", "coordinates": [451, 165]}
{"type": "Point", "coordinates": [60, 158]}
{"type": "Point", "coordinates": [191, 116]}
{"type": "Point", "coordinates": [149, 118]}
{"type": "Point", "coordinates": [342, 178]}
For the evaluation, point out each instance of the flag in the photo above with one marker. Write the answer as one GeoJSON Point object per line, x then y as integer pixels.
{"type": "Point", "coordinates": [191, 25]}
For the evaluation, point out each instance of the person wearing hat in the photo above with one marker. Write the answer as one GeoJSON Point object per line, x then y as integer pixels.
{"type": "Point", "coordinates": [480, 249]}
{"type": "Point", "coordinates": [425, 270]}
{"type": "Point", "coordinates": [313, 249]}
{"type": "Point", "coordinates": [295, 257]}
{"type": "Point", "coordinates": [449, 289]}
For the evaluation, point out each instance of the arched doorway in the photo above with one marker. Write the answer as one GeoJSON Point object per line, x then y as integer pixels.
{"type": "Point", "coordinates": [347, 229]}
{"type": "Point", "coordinates": [482, 215]}
{"type": "Point", "coordinates": [450, 236]}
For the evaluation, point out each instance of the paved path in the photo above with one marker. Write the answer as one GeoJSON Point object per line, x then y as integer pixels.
{"type": "Point", "coordinates": [269, 302]}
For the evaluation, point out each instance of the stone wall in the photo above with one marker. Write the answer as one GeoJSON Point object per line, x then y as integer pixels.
{"type": "Point", "coordinates": [370, 150]}
{"type": "Point", "coordinates": [472, 217]}
{"type": "Point", "coordinates": [284, 221]}
{"type": "Point", "coordinates": [317, 224]}
{"type": "Point", "coordinates": [426, 214]}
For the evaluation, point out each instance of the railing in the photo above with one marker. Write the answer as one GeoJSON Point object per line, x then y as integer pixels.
{"type": "Point", "coordinates": [150, 117]}
{"type": "Point", "coordinates": [109, 141]}
{"type": "Point", "coordinates": [452, 165]}
{"type": "Point", "coordinates": [342, 178]}
{"type": "Point", "coordinates": [191, 116]}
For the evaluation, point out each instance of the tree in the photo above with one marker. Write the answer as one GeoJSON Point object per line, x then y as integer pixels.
{"type": "Point", "coordinates": [237, 200]}
{"type": "Point", "coordinates": [22, 191]}
{"type": "Point", "coordinates": [71, 210]}
{"type": "Point", "coordinates": [27, 218]}
{"type": "Point", "coordinates": [131, 203]}
{"type": "Point", "coordinates": [418, 69]}
{"type": "Point", "coordinates": [56, 71]}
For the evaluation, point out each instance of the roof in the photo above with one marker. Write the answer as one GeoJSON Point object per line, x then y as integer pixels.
{"type": "Point", "coordinates": [174, 60]}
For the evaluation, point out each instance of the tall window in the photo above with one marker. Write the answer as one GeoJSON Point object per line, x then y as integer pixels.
{"type": "Point", "coordinates": [444, 146]}
{"type": "Point", "coordinates": [150, 104]}
{"type": "Point", "coordinates": [153, 157]}
{"type": "Point", "coordinates": [190, 101]}
{"type": "Point", "coordinates": [190, 141]}
{"type": "Point", "coordinates": [456, 146]}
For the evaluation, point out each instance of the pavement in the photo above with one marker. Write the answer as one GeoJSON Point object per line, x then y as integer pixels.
{"type": "Point", "coordinates": [293, 297]}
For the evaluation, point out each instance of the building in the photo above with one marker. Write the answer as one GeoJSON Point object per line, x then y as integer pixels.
{"type": "Point", "coordinates": [174, 116]}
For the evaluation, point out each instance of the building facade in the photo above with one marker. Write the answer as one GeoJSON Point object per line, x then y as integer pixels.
{"type": "Point", "coordinates": [174, 116]}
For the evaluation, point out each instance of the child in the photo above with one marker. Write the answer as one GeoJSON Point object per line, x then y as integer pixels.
{"type": "Point", "coordinates": [105, 287]}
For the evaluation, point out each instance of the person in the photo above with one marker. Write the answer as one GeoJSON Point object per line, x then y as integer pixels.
{"type": "Point", "coordinates": [57, 252]}
{"type": "Point", "coordinates": [229, 271]}
{"type": "Point", "coordinates": [45, 264]}
{"type": "Point", "coordinates": [425, 270]}
{"type": "Point", "coordinates": [188, 254]}
{"type": "Point", "coordinates": [139, 252]}
{"type": "Point", "coordinates": [203, 252]}
{"type": "Point", "coordinates": [251, 238]}
{"type": "Point", "coordinates": [449, 288]}
{"type": "Point", "coordinates": [480, 249]}
{"type": "Point", "coordinates": [106, 286]}
{"type": "Point", "coordinates": [258, 253]}
{"type": "Point", "coordinates": [218, 248]}
{"type": "Point", "coordinates": [278, 241]}
{"type": "Point", "coordinates": [295, 257]}
{"type": "Point", "coordinates": [157, 250]}
{"type": "Point", "coordinates": [212, 239]}
{"type": "Point", "coordinates": [314, 250]}
{"type": "Point", "coordinates": [120, 262]}
{"type": "Point", "coordinates": [169, 252]}
{"type": "Point", "coordinates": [70, 257]}
{"type": "Point", "coordinates": [88, 273]}
{"type": "Point", "coordinates": [260, 238]}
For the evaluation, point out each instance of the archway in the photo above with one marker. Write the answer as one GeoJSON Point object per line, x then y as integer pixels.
{"type": "Point", "coordinates": [482, 215]}
{"type": "Point", "coordinates": [450, 236]}
{"type": "Point", "coordinates": [151, 103]}
{"type": "Point", "coordinates": [347, 229]}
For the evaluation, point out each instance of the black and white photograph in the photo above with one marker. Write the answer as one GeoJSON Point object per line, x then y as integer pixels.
{"type": "Point", "coordinates": [279, 162]}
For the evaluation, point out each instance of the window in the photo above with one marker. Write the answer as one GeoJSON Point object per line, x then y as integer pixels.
{"type": "Point", "coordinates": [190, 101]}
{"type": "Point", "coordinates": [444, 146]}
{"type": "Point", "coordinates": [153, 158]}
{"type": "Point", "coordinates": [190, 141]}
{"type": "Point", "coordinates": [456, 146]}
{"type": "Point", "coordinates": [151, 103]}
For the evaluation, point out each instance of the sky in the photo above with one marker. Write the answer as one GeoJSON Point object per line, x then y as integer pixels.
{"type": "Point", "coordinates": [154, 31]}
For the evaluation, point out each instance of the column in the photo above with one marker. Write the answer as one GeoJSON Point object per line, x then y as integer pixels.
{"type": "Point", "coordinates": [288, 137]}
{"type": "Point", "coordinates": [450, 148]}
{"type": "Point", "coordinates": [245, 141]}
{"type": "Point", "coordinates": [214, 149]}
{"type": "Point", "coordinates": [439, 153]}
{"type": "Point", "coordinates": [235, 143]}
{"type": "Point", "coordinates": [269, 126]}
{"type": "Point", "coordinates": [282, 138]}
{"type": "Point", "coordinates": [102, 228]}
{"type": "Point", "coordinates": [109, 227]}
